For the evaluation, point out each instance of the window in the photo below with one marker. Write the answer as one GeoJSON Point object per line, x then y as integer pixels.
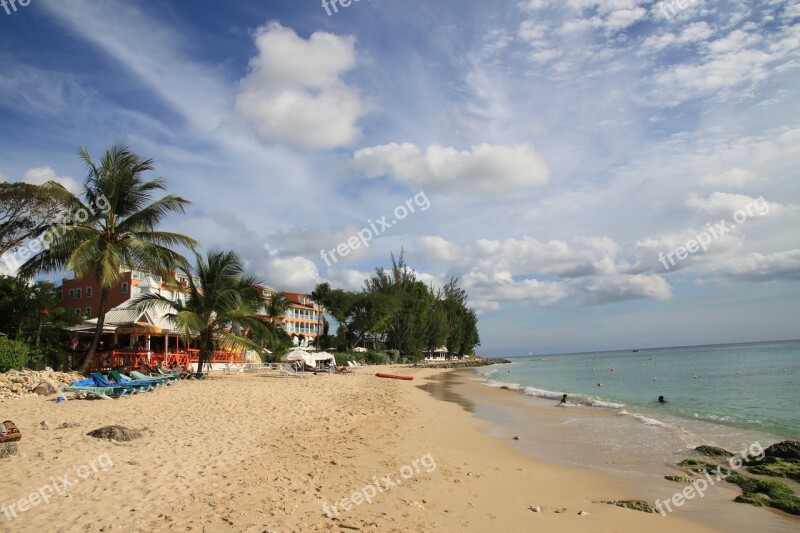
{"type": "Point", "coordinates": [77, 311]}
{"type": "Point", "coordinates": [88, 292]}
{"type": "Point", "coordinates": [124, 288]}
{"type": "Point", "coordinates": [87, 312]}
{"type": "Point", "coordinates": [71, 294]}
{"type": "Point", "coordinates": [77, 293]}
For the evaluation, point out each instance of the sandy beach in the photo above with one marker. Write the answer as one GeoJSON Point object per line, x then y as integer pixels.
{"type": "Point", "coordinates": [258, 453]}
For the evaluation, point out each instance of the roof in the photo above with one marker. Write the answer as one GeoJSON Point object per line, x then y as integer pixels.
{"type": "Point", "coordinates": [297, 299]}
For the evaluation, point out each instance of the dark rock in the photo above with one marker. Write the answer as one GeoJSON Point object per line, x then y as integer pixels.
{"type": "Point", "coordinates": [118, 433]}
{"type": "Point", "coordinates": [7, 449]}
{"type": "Point", "coordinates": [788, 449]}
{"type": "Point", "coordinates": [713, 451]}
{"type": "Point", "coordinates": [636, 505]}
{"type": "Point", "coordinates": [680, 479]}
{"type": "Point", "coordinates": [461, 363]}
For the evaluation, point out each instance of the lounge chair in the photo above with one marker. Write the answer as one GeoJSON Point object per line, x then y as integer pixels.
{"type": "Point", "coordinates": [101, 381]}
{"type": "Point", "coordinates": [122, 379]}
{"type": "Point", "coordinates": [88, 387]}
{"type": "Point", "coordinates": [153, 373]}
{"type": "Point", "coordinates": [167, 380]}
{"type": "Point", "coordinates": [287, 370]}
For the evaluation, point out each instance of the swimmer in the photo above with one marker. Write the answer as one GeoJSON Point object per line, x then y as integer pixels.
{"type": "Point", "coordinates": [661, 399]}
{"type": "Point", "coordinates": [563, 400]}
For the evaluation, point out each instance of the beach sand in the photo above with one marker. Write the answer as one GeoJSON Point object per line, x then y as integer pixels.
{"type": "Point", "coordinates": [260, 453]}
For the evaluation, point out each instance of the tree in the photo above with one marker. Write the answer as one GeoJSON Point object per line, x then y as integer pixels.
{"type": "Point", "coordinates": [30, 314]}
{"type": "Point", "coordinates": [26, 211]}
{"type": "Point", "coordinates": [277, 307]}
{"type": "Point", "coordinates": [118, 230]}
{"type": "Point", "coordinates": [221, 309]}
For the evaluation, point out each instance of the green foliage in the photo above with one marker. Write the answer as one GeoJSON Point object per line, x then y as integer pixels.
{"type": "Point", "coordinates": [771, 466]}
{"type": "Point", "coordinates": [769, 492]}
{"type": "Point", "coordinates": [377, 358]}
{"type": "Point", "coordinates": [30, 314]}
{"type": "Point", "coordinates": [26, 211]}
{"type": "Point", "coordinates": [13, 354]}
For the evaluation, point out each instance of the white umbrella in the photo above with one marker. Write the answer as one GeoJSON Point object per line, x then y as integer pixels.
{"type": "Point", "coordinates": [299, 355]}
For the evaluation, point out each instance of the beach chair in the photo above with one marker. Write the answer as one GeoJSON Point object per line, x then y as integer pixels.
{"type": "Point", "coordinates": [88, 387]}
{"type": "Point", "coordinates": [152, 373]}
{"type": "Point", "coordinates": [122, 379]}
{"type": "Point", "coordinates": [101, 381]}
{"type": "Point", "coordinates": [166, 380]}
{"type": "Point", "coordinates": [287, 370]}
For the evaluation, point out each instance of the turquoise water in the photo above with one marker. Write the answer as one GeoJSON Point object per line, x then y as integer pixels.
{"type": "Point", "coordinates": [753, 387]}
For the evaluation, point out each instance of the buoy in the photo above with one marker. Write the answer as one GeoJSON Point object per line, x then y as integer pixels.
{"type": "Point", "coordinates": [599, 384]}
{"type": "Point", "coordinates": [612, 369]}
{"type": "Point", "coordinates": [738, 373]}
{"type": "Point", "coordinates": [655, 379]}
{"type": "Point", "coordinates": [695, 376]}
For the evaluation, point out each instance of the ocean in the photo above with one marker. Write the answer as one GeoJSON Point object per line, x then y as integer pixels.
{"type": "Point", "coordinates": [729, 395]}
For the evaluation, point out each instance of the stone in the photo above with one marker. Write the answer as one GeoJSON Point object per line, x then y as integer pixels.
{"type": "Point", "coordinates": [680, 479]}
{"type": "Point", "coordinates": [713, 451]}
{"type": "Point", "coordinates": [7, 449]}
{"type": "Point", "coordinates": [788, 449]}
{"type": "Point", "coordinates": [516, 437]}
{"type": "Point", "coordinates": [535, 508]}
{"type": "Point", "coordinates": [636, 505]}
{"type": "Point", "coordinates": [118, 433]}
{"type": "Point", "coordinates": [44, 425]}
{"type": "Point", "coordinates": [45, 388]}
{"type": "Point", "coordinates": [583, 513]}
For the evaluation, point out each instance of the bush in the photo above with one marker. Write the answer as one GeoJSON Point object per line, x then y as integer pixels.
{"type": "Point", "coordinates": [377, 358]}
{"type": "Point", "coordinates": [13, 354]}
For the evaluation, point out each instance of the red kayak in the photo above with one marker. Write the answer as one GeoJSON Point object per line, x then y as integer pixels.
{"type": "Point", "coordinates": [392, 376]}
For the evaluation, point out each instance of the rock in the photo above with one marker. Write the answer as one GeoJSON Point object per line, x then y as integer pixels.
{"type": "Point", "coordinates": [44, 425]}
{"type": "Point", "coordinates": [583, 513]}
{"type": "Point", "coordinates": [788, 449]}
{"type": "Point", "coordinates": [636, 505]}
{"type": "Point", "coordinates": [7, 449]}
{"type": "Point", "coordinates": [516, 437]}
{"type": "Point", "coordinates": [713, 451]}
{"type": "Point", "coordinates": [67, 425]}
{"type": "Point", "coordinates": [680, 479]}
{"type": "Point", "coordinates": [535, 508]}
{"type": "Point", "coordinates": [417, 505]}
{"type": "Point", "coordinates": [560, 510]}
{"type": "Point", "coordinates": [45, 388]}
{"type": "Point", "coordinates": [118, 433]}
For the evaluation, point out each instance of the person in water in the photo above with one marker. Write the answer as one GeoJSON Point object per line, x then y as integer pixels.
{"type": "Point", "coordinates": [563, 400]}
{"type": "Point", "coordinates": [661, 399]}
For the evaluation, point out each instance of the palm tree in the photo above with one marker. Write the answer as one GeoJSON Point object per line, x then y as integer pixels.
{"type": "Point", "coordinates": [278, 304]}
{"type": "Point", "coordinates": [221, 308]}
{"type": "Point", "coordinates": [112, 229]}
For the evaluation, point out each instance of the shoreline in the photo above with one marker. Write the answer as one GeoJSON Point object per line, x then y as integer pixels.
{"type": "Point", "coordinates": [255, 453]}
{"type": "Point", "coordinates": [564, 437]}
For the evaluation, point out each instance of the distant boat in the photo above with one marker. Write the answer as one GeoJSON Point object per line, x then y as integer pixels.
{"type": "Point", "coordinates": [635, 350]}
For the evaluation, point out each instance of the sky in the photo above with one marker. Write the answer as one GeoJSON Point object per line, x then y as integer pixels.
{"type": "Point", "coordinates": [598, 174]}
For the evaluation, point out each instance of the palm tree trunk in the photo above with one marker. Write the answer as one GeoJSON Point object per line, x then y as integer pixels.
{"type": "Point", "coordinates": [98, 332]}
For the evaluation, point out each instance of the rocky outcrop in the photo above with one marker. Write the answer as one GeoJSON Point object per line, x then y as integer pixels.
{"type": "Point", "coordinates": [473, 362]}
{"type": "Point", "coordinates": [20, 383]}
{"type": "Point", "coordinates": [636, 505]}
{"type": "Point", "coordinates": [788, 449]}
{"type": "Point", "coordinates": [713, 451]}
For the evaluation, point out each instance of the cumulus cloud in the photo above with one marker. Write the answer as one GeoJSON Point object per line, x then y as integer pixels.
{"type": "Point", "coordinates": [484, 168]}
{"type": "Point", "coordinates": [727, 205]}
{"type": "Point", "coordinates": [41, 175]}
{"type": "Point", "coordinates": [619, 288]}
{"type": "Point", "coordinates": [294, 92]}
{"type": "Point", "coordinates": [735, 177]}
{"type": "Point", "coordinates": [759, 268]}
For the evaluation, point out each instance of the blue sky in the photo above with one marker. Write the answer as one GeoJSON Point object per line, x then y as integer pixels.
{"type": "Point", "coordinates": [563, 148]}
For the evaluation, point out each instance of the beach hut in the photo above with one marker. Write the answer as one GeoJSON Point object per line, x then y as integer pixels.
{"type": "Point", "coordinates": [439, 354]}
{"type": "Point", "coordinates": [323, 358]}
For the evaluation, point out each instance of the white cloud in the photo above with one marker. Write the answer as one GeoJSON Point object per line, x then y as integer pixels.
{"type": "Point", "coordinates": [294, 92]}
{"type": "Point", "coordinates": [759, 268]}
{"type": "Point", "coordinates": [438, 249]}
{"type": "Point", "coordinates": [41, 175]}
{"type": "Point", "coordinates": [618, 288]}
{"type": "Point", "coordinates": [484, 168]}
{"type": "Point", "coordinates": [735, 177]}
{"type": "Point", "coordinates": [727, 205]}
{"type": "Point", "coordinates": [349, 280]}
{"type": "Point", "coordinates": [296, 274]}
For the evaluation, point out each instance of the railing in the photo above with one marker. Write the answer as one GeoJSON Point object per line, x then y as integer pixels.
{"type": "Point", "coordinates": [136, 359]}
